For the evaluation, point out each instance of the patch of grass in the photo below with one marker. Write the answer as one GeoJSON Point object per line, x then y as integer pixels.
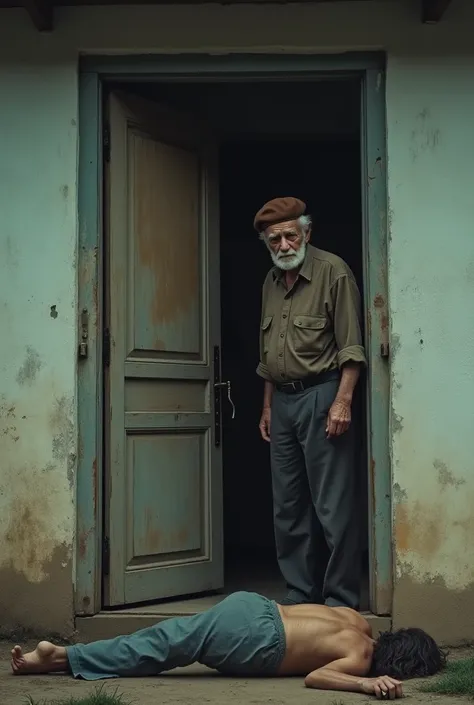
{"type": "Point", "coordinates": [98, 697]}
{"type": "Point", "coordinates": [456, 679]}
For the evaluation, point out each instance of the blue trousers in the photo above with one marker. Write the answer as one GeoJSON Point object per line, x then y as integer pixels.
{"type": "Point", "coordinates": [242, 635]}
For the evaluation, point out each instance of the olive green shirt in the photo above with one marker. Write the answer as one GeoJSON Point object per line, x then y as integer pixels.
{"type": "Point", "coordinates": [316, 325]}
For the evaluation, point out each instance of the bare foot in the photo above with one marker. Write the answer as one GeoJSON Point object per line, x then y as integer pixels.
{"type": "Point", "coordinates": [46, 658]}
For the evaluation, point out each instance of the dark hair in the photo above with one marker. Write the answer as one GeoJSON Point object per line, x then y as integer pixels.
{"type": "Point", "coordinates": [407, 653]}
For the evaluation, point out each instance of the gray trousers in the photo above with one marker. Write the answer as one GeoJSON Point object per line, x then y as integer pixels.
{"type": "Point", "coordinates": [242, 635]}
{"type": "Point", "coordinates": [314, 497]}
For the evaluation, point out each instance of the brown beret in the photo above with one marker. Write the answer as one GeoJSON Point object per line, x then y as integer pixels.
{"type": "Point", "coordinates": [278, 211]}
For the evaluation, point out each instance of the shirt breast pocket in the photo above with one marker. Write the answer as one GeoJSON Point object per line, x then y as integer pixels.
{"type": "Point", "coordinates": [309, 333]}
{"type": "Point", "coordinates": [266, 332]}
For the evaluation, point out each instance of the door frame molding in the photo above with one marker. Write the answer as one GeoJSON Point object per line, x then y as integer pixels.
{"type": "Point", "coordinates": [94, 72]}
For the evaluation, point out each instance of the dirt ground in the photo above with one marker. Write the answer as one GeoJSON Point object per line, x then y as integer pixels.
{"type": "Point", "coordinates": [195, 684]}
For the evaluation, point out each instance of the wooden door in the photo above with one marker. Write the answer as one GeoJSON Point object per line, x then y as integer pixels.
{"type": "Point", "coordinates": [163, 506]}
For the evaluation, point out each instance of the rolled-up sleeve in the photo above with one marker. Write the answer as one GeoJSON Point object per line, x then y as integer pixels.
{"type": "Point", "coordinates": [262, 369]}
{"type": "Point", "coordinates": [347, 321]}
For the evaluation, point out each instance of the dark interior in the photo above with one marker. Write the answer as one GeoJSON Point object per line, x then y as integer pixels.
{"type": "Point", "coordinates": [276, 138]}
{"type": "Point", "coordinates": [326, 175]}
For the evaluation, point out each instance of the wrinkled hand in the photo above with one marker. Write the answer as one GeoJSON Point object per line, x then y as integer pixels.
{"type": "Point", "coordinates": [264, 424]}
{"type": "Point", "coordinates": [339, 418]}
{"type": "Point", "coordinates": [384, 688]}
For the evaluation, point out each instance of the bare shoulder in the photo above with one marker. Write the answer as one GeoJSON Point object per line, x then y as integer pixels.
{"type": "Point", "coordinates": [356, 645]}
{"type": "Point", "coordinates": [354, 618]}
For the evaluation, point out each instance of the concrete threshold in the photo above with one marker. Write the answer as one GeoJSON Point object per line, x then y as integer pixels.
{"type": "Point", "coordinates": [107, 625]}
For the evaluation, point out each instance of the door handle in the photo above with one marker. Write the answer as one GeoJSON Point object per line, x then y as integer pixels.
{"type": "Point", "coordinates": [221, 385]}
{"type": "Point", "coordinates": [218, 386]}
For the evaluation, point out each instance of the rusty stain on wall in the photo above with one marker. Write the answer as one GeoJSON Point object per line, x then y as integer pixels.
{"type": "Point", "coordinates": [28, 541]}
{"type": "Point", "coordinates": [417, 529]}
{"type": "Point", "coordinates": [30, 367]}
{"type": "Point", "coordinates": [36, 513]}
{"type": "Point", "coordinates": [433, 525]}
{"type": "Point", "coordinates": [83, 538]}
{"type": "Point", "coordinates": [44, 607]}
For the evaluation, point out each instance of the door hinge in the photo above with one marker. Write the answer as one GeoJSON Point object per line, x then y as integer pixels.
{"type": "Point", "coordinates": [106, 348]}
{"type": "Point", "coordinates": [106, 555]}
{"type": "Point", "coordinates": [106, 142]}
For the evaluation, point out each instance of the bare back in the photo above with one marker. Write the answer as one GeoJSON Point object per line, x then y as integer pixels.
{"type": "Point", "coordinates": [317, 635]}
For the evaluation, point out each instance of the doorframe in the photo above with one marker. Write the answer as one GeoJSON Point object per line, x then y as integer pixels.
{"type": "Point", "coordinates": [94, 72]}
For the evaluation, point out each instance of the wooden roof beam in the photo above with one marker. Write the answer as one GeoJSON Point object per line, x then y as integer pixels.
{"type": "Point", "coordinates": [433, 10]}
{"type": "Point", "coordinates": [41, 13]}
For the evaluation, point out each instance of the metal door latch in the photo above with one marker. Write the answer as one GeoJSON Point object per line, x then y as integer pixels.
{"type": "Point", "coordinates": [84, 334]}
{"type": "Point", "coordinates": [221, 385]}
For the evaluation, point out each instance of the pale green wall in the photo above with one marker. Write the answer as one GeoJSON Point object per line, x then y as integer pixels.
{"type": "Point", "coordinates": [431, 176]}
{"type": "Point", "coordinates": [430, 113]}
{"type": "Point", "coordinates": [38, 236]}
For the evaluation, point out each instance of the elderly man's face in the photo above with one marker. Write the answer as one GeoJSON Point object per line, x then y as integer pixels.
{"type": "Point", "coordinates": [287, 244]}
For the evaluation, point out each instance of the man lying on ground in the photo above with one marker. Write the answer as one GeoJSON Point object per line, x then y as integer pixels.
{"type": "Point", "coordinates": [248, 635]}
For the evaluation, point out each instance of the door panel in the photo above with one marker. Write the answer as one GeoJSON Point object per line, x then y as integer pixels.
{"type": "Point", "coordinates": [163, 468]}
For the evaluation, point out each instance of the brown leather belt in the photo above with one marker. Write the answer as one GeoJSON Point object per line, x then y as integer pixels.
{"type": "Point", "coordinates": [299, 385]}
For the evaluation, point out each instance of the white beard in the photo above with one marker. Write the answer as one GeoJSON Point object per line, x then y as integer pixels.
{"type": "Point", "coordinates": [289, 262]}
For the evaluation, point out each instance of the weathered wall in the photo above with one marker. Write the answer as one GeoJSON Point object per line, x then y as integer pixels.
{"type": "Point", "coordinates": [430, 140]}
{"type": "Point", "coordinates": [37, 342]}
{"type": "Point", "coordinates": [431, 172]}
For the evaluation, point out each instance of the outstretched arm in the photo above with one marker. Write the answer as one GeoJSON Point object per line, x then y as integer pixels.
{"type": "Point", "coordinates": [348, 674]}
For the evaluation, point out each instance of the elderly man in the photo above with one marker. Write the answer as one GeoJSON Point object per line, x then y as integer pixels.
{"type": "Point", "coordinates": [311, 355]}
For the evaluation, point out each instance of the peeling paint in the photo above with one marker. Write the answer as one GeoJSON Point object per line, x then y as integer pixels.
{"type": "Point", "coordinates": [62, 428]}
{"type": "Point", "coordinates": [399, 494]}
{"type": "Point", "coordinates": [397, 422]}
{"type": "Point", "coordinates": [71, 469]}
{"type": "Point", "coordinates": [395, 344]}
{"type": "Point", "coordinates": [445, 476]}
{"type": "Point", "coordinates": [30, 367]}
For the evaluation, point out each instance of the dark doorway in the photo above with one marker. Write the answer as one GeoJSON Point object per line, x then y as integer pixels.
{"type": "Point", "coordinates": [326, 175]}
{"type": "Point", "coordinates": [294, 138]}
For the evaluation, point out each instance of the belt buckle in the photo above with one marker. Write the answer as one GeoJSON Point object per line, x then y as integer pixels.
{"type": "Point", "coordinates": [297, 386]}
